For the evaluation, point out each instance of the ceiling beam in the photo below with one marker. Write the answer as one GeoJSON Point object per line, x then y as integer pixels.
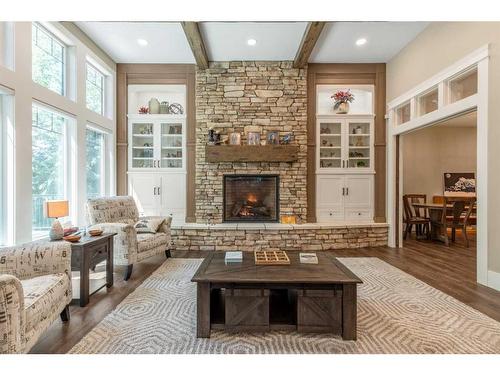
{"type": "Point", "coordinates": [311, 35]}
{"type": "Point", "coordinates": [193, 35]}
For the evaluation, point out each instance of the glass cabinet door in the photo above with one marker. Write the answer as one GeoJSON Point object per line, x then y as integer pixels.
{"type": "Point", "coordinates": [359, 150]}
{"type": "Point", "coordinates": [171, 145]}
{"type": "Point", "coordinates": [142, 145]}
{"type": "Point", "coordinates": [330, 144]}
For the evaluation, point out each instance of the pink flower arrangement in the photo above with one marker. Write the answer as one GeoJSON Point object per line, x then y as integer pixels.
{"type": "Point", "coordinates": [143, 110]}
{"type": "Point", "coordinates": [342, 97]}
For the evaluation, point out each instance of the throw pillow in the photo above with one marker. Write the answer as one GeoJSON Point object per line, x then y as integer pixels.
{"type": "Point", "coordinates": [148, 225]}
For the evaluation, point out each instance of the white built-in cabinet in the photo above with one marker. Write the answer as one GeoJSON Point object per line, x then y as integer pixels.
{"type": "Point", "coordinates": [344, 158]}
{"type": "Point", "coordinates": [157, 152]}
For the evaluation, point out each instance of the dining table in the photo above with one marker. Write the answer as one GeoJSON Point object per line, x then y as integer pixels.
{"type": "Point", "coordinates": [438, 222]}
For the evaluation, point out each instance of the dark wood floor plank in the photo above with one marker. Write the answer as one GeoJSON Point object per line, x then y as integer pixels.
{"type": "Point", "coordinates": [449, 269]}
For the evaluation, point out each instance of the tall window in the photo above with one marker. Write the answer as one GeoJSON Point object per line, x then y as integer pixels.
{"type": "Point", "coordinates": [2, 174]}
{"type": "Point", "coordinates": [48, 61]}
{"type": "Point", "coordinates": [49, 164]}
{"type": "Point", "coordinates": [96, 168]}
{"type": "Point", "coordinates": [95, 89]}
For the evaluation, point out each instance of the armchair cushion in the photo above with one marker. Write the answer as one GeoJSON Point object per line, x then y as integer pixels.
{"type": "Point", "coordinates": [149, 224]}
{"type": "Point", "coordinates": [44, 297]}
{"type": "Point", "coordinates": [165, 225]}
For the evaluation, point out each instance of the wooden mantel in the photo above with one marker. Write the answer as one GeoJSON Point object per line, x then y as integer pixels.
{"type": "Point", "coordinates": [247, 153]}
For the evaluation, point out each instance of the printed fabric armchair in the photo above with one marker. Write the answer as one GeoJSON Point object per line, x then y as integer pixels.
{"type": "Point", "coordinates": [120, 215]}
{"type": "Point", "coordinates": [35, 288]}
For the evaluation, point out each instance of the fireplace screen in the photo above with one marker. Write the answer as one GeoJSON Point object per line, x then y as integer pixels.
{"type": "Point", "coordinates": [251, 198]}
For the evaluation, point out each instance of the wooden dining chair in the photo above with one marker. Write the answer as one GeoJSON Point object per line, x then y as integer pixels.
{"type": "Point", "coordinates": [461, 218]}
{"type": "Point", "coordinates": [414, 216]}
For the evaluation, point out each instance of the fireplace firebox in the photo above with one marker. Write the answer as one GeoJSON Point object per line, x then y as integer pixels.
{"type": "Point", "coordinates": [253, 198]}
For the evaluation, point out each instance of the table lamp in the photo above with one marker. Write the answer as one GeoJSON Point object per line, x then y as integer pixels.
{"type": "Point", "coordinates": [56, 209]}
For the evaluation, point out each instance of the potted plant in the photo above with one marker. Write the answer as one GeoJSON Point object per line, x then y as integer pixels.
{"type": "Point", "coordinates": [342, 100]}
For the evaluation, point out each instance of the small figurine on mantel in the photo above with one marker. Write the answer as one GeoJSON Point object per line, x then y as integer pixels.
{"type": "Point", "coordinates": [213, 137]}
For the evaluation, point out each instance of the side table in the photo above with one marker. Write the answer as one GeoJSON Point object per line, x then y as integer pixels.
{"type": "Point", "coordinates": [85, 255]}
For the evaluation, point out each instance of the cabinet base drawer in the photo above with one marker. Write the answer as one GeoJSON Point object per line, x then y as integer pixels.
{"type": "Point", "coordinates": [326, 215]}
{"type": "Point", "coordinates": [358, 214]}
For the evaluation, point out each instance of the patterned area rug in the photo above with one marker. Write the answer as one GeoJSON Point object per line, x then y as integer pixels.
{"type": "Point", "coordinates": [397, 313]}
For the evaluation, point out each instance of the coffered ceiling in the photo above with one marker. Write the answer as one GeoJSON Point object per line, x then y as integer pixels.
{"type": "Point", "coordinates": [225, 41]}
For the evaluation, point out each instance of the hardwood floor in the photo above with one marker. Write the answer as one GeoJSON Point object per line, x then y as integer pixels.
{"type": "Point", "coordinates": [449, 269]}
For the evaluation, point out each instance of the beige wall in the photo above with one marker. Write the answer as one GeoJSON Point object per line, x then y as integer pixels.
{"type": "Point", "coordinates": [433, 151]}
{"type": "Point", "coordinates": [438, 46]}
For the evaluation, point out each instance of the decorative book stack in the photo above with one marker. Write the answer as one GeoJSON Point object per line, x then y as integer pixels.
{"type": "Point", "coordinates": [308, 258]}
{"type": "Point", "coordinates": [233, 257]}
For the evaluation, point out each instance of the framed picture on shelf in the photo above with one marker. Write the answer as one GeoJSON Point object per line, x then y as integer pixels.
{"type": "Point", "coordinates": [273, 138]}
{"type": "Point", "coordinates": [235, 138]}
{"type": "Point", "coordinates": [253, 138]}
{"type": "Point", "coordinates": [287, 139]}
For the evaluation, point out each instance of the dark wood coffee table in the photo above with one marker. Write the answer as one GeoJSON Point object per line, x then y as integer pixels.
{"type": "Point", "coordinates": [308, 297]}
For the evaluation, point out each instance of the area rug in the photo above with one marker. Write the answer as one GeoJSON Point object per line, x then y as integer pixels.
{"type": "Point", "coordinates": [397, 313]}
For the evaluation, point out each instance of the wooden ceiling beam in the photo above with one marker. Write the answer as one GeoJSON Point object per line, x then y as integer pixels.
{"type": "Point", "coordinates": [311, 35]}
{"type": "Point", "coordinates": [193, 35]}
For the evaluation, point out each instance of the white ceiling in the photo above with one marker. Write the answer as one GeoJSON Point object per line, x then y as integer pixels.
{"type": "Point", "coordinates": [226, 41]}
{"type": "Point", "coordinates": [166, 41]}
{"type": "Point", "coordinates": [384, 40]}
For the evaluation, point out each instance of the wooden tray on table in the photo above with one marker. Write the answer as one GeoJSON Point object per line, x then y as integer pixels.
{"type": "Point", "coordinates": [271, 257]}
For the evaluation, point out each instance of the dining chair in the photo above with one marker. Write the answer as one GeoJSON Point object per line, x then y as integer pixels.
{"type": "Point", "coordinates": [463, 211]}
{"type": "Point", "coordinates": [415, 216]}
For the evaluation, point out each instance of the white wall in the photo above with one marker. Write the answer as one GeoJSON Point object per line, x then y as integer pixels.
{"type": "Point", "coordinates": [25, 92]}
{"type": "Point", "coordinates": [433, 151]}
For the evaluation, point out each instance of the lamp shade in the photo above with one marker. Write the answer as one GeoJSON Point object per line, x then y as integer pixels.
{"type": "Point", "coordinates": [56, 209]}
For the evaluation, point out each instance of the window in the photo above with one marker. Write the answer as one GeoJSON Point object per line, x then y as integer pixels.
{"type": "Point", "coordinates": [50, 163]}
{"type": "Point", "coordinates": [428, 102]}
{"type": "Point", "coordinates": [2, 174]}
{"type": "Point", "coordinates": [7, 44]}
{"type": "Point", "coordinates": [95, 89]}
{"type": "Point", "coordinates": [463, 86]}
{"type": "Point", "coordinates": [48, 61]}
{"type": "Point", "coordinates": [96, 166]}
{"type": "Point", "coordinates": [403, 113]}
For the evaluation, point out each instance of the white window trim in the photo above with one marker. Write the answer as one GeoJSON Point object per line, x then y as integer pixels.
{"type": "Point", "coordinates": [107, 97]}
{"type": "Point", "coordinates": [479, 101]}
{"type": "Point", "coordinates": [103, 89]}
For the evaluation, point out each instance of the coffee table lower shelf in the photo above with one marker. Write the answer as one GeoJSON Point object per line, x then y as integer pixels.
{"type": "Point", "coordinates": [260, 308]}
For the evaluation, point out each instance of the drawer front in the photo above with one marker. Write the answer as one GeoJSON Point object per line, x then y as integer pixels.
{"type": "Point", "coordinates": [358, 214]}
{"type": "Point", "coordinates": [98, 255]}
{"type": "Point", "coordinates": [326, 215]}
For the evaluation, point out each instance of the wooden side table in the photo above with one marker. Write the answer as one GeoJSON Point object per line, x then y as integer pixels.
{"type": "Point", "coordinates": [85, 255]}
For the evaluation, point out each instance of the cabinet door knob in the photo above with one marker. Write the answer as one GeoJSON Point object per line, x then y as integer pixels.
{"type": "Point", "coordinates": [154, 191]}
{"type": "Point", "coordinates": [154, 163]}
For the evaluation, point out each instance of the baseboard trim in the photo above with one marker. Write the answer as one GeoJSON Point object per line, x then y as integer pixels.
{"type": "Point", "coordinates": [494, 280]}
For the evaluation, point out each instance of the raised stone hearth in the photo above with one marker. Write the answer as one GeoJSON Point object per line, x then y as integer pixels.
{"type": "Point", "coordinates": [253, 236]}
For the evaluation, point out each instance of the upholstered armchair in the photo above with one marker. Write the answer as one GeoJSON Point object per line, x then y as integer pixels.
{"type": "Point", "coordinates": [35, 288]}
{"type": "Point", "coordinates": [120, 215]}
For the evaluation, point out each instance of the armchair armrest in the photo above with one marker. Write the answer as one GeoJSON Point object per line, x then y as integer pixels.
{"type": "Point", "coordinates": [12, 315]}
{"type": "Point", "coordinates": [124, 243]}
{"type": "Point", "coordinates": [165, 226]}
{"type": "Point", "coordinates": [36, 259]}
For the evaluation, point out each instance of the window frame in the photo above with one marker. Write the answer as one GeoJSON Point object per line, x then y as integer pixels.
{"type": "Point", "coordinates": [68, 163]}
{"type": "Point", "coordinates": [65, 67]}
{"type": "Point", "coordinates": [93, 66]}
{"type": "Point", "coordinates": [105, 161]}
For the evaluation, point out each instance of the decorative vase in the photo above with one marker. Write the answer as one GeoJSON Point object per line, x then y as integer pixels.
{"type": "Point", "coordinates": [341, 109]}
{"type": "Point", "coordinates": [154, 106]}
{"type": "Point", "coordinates": [164, 108]}
{"type": "Point", "coordinates": [56, 231]}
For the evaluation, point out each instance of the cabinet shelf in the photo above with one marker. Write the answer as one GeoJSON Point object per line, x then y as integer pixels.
{"type": "Point", "coordinates": [330, 135]}
{"type": "Point", "coordinates": [330, 147]}
{"type": "Point", "coordinates": [143, 135]}
{"type": "Point", "coordinates": [360, 147]}
{"type": "Point", "coordinates": [359, 135]}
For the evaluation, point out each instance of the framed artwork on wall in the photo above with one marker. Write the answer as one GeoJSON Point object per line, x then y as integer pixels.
{"type": "Point", "coordinates": [459, 184]}
{"type": "Point", "coordinates": [273, 138]}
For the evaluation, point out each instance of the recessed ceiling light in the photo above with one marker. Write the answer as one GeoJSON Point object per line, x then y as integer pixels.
{"type": "Point", "coordinates": [361, 41]}
{"type": "Point", "coordinates": [142, 42]}
{"type": "Point", "coordinates": [251, 42]}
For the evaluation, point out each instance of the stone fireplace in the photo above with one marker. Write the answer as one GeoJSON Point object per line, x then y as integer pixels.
{"type": "Point", "coordinates": [251, 198]}
{"type": "Point", "coordinates": [243, 97]}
